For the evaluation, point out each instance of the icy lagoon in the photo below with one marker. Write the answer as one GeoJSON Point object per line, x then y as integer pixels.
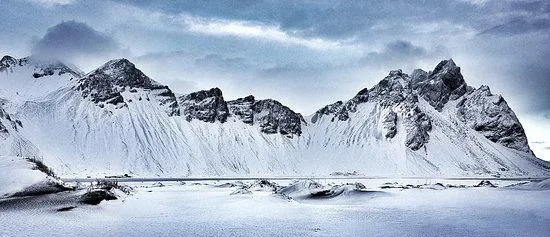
{"type": "Point", "coordinates": [378, 208]}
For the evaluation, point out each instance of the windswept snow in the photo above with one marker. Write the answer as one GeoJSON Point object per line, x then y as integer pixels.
{"type": "Point", "coordinates": [20, 177]}
{"type": "Point", "coordinates": [209, 209]}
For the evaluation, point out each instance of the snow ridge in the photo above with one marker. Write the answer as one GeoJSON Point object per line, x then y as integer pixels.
{"type": "Point", "coordinates": [116, 120]}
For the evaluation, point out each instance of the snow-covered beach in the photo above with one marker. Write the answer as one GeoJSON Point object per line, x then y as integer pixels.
{"type": "Point", "coordinates": [378, 208]}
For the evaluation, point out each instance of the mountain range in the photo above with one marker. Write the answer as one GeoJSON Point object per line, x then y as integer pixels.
{"type": "Point", "coordinates": [116, 120]}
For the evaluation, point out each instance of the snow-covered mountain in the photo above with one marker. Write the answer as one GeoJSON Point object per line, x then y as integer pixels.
{"type": "Point", "coordinates": [115, 120]}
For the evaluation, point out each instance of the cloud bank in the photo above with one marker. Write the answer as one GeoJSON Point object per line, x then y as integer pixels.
{"type": "Point", "coordinates": [72, 42]}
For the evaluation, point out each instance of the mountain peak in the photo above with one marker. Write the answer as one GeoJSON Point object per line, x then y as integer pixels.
{"type": "Point", "coordinates": [397, 97]}
{"type": "Point", "coordinates": [449, 73]}
{"type": "Point", "coordinates": [121, 72]}
{"type": "Point", "coordinates": [447, 64]}
{"type": "Point", "coordinates": [7, 60]}
{"type": "Point", "coordinates": [105, 84]}
{"type": "Point", "coordinates": [205, 105]}
{"type": "Point", "coordinates": [117, 66]}
{"type": "Point", "coordinates": [120, 61]}
{"type": "Point", "coordinates": [442, 84]}
{"type": "Point", "coordinates": [397, 72]}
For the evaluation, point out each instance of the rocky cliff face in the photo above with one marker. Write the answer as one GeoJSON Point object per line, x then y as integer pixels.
{"type": "Point", "coordinates": [206, 105]}
{"type": "Point", "coordinates": [491, 116]}
{"type": "Point", "coordinates": [270, 115]}
{"type": "Point", "coordinates": [439, 86]}
{"type": "Point", "coordinates": [243, 108]}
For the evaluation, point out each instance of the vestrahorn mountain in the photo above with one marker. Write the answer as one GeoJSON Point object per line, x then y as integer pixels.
{"type": "Point", "coordinates": [116, 120]}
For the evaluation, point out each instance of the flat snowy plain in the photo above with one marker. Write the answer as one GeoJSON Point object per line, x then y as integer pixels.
{"type": "Point", "coordinates": [210, 209]}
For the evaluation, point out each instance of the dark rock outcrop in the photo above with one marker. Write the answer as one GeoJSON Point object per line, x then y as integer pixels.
{"type": "Point", "coordinates": [94, 197]}
{"type": "Point", "coordinates": [270, 115]}
{"type": "Point", "coordinates": [54, 69]}
{"type": "Point", "coordinates": [491, 116]}
{"type": "Point", "coordinates": [8, 62]}
{"type": "Point", "coordinates": [274, 117]}
{"type": "Point", "coordinates": [442, 84]}
{"type": "Point", "coordinates": [417, 125]}
{"type": "Point", "coordinates": [243, 108]}
{"type": "Point", "coordinates": [205, 105]}
{"type": "Point", "coordinates": [485, 183]}
{"type": "Point", "coordinates": [389, 123]}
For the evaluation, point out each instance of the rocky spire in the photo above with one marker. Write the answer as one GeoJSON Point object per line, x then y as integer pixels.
{"type": "Point", "coordinates": [439, 86]}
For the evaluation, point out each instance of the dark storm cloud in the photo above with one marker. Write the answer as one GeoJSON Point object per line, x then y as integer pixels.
{"type": "Point", "coordinates": [71, 40]}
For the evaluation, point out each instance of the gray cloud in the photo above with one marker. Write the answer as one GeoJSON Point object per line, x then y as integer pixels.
{"type": "Point", "coordinates": [530, 6]}
{"type": "Point", "coordinates": [518, 26]}
{"type": "Point", "coordinates": [399, 50]}
{"type": "Point", "coordinates": [330, 19]}
{"type": "Point", "coordinates": [73, 41]}
{"type": "Point", "coordinates": [401, 54]}
{"type": "Point", "coordinates": [357, 19]}
{"type": "Point", "coordinates": [217, 61]}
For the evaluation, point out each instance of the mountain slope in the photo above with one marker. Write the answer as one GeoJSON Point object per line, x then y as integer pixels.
{"type": "Point", "coordinates": [116, 120]}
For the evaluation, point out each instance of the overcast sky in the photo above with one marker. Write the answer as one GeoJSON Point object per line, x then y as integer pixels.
{"type": "Point", "coordinates": [305, 54]}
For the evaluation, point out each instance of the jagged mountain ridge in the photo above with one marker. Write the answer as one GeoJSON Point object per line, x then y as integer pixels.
{"type": "Point", "coordinates": [7, 64]}
{"type": "Point", "coordinates": [117, 120]}
{"type": "Point", "coordinates": [478, 108]}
